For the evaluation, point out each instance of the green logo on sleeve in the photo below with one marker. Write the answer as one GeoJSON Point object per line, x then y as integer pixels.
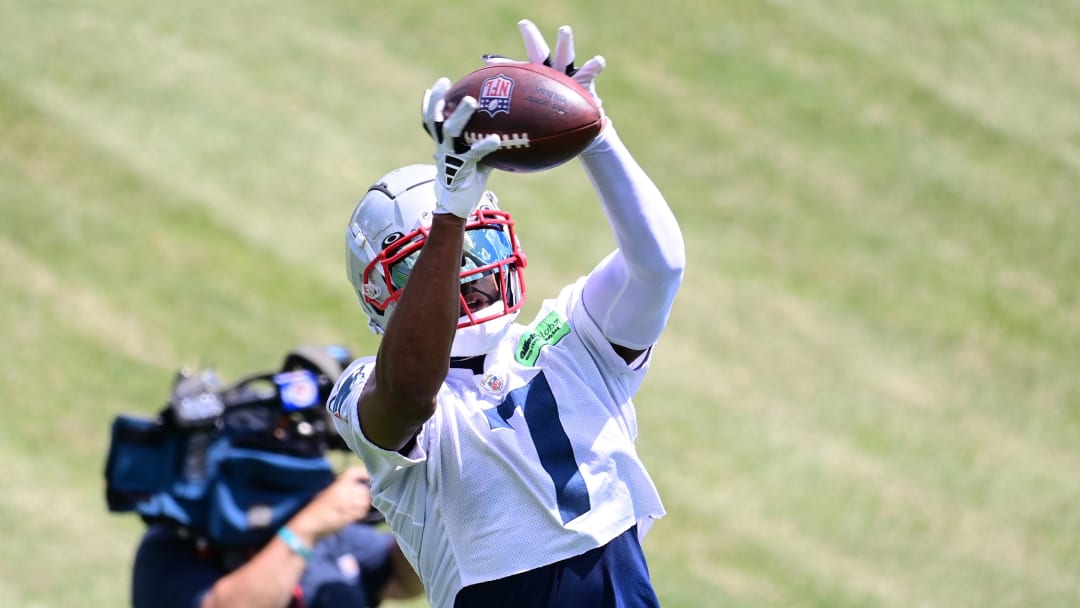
{"type": "Point", "coordinates": [547, 332]}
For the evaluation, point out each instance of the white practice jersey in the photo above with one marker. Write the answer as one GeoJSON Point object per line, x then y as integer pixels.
{"type": "Point", "coordinates": [528, 463]}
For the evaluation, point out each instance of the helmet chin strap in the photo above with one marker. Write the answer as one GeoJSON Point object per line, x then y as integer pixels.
{"type": "Point", "coordinates": [484, 337]}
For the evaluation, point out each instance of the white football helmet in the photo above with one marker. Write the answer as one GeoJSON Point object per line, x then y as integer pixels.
{"type": "Point", "coordinates": [389, 226]}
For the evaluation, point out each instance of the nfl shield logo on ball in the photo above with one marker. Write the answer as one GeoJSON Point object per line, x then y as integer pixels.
{"type": "Point", "coordinates": [495, 95]}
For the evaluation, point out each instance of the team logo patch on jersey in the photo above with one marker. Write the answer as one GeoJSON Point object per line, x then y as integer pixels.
{"type": "Point", "coordinates": [338, 403]}
{"type": "Point", "coordinates": [495, 95]}
{"type": "Point", "coordinates": [493, 383]}
{"type": "Point", "coordinates": [547, 332]}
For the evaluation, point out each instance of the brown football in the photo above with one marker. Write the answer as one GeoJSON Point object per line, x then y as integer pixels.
{"type": "Point", "coordinates": [543, 117]}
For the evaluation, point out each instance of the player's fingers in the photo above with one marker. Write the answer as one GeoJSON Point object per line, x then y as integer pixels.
{"type": "Point", "coordinates": [433, 95]}
{"type": "Point", "coordinates": [591, 69]}
{"type": "Point", "coordinates": [483, 147]}
{"type": "Point", "coordinates": [455, 123]}
{"type": "Point", "coordinates": [564, 50]}
{"type": "Point", "coordinates": [535, 46]}
{"type": "Point", "coordinates": [425, 116]}
{"type": "Point", "coordinates": [433, 101]}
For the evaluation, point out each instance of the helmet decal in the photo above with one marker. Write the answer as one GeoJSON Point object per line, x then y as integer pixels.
{"type": "Point", "coordinates": [391, 239]}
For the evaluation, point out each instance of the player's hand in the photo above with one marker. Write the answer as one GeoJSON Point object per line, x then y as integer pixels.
{"type": "Point", "coordinates": [538, 51]}
{"type": "Point", "coordinates": [461, 179]}
{"type": "Point", "coordinates": [343, 502]}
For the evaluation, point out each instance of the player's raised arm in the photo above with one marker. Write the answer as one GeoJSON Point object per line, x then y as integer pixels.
{"type": "Point", "coordinates": [630, 293]}
{"type": "Point", "coordinates": [414, 354]}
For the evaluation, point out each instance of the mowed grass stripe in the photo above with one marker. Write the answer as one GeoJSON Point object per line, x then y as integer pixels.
{"type": "Point", "coordinates": [864, 214]}
{"type": "Point", "coordinates": [929, 299]}
{"type": "Point", "coordinates": [266, 125]}
{"type": "Point", "coordinates": [858, 527]}
{"type": "Point", "coordinates": [167, 236]}
{"type": "Point", "coordinates": [899, 450]}
{"type": "Point", "coordinates": [989, 86]}
{"type": "Point", "coordinates": [82, 309]}
{"type": "Point", "coordinates": [61, 548]}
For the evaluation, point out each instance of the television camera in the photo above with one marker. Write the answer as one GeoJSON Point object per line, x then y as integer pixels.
{"type": "Point", "coordinates": [230, 463]}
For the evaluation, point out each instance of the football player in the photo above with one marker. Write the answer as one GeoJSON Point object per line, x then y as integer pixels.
{"type": "Point", "coordinates": [502, 454]}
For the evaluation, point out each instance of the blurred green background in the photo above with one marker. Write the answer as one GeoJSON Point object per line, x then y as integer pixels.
{"type": "Point", "coordinates": [868, 394]}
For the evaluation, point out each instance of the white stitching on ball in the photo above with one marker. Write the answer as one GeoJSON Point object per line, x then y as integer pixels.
{"type": "Point", "coordinates": [508, 140]}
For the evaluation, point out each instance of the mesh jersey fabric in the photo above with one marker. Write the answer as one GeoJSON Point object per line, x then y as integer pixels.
{"type": "Point", "coordinates": [531, 462]}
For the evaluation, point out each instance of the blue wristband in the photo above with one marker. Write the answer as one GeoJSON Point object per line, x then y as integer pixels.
{"type": "Point", "coordinates": [293, 542]}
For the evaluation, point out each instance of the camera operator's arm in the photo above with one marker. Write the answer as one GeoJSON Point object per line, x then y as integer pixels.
{"type": "Point", "coordinates": [269, 578]}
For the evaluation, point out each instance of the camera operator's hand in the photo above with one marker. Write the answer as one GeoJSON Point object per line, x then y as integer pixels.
{"type": "Point", "coordinates": [270, 577]}
{"type": "Point", "coordinates": [343, 502]}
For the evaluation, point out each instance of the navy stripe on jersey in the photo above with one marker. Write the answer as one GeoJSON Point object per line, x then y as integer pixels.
{"type": "Point", "coordinates": [541, 412]}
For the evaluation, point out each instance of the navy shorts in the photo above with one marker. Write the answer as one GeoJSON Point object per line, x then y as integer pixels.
{"type": "Point", "coordinates": [612, 576]}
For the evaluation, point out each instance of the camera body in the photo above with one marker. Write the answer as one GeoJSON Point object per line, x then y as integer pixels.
{"type": "Point", "coordinates": [230, 463]}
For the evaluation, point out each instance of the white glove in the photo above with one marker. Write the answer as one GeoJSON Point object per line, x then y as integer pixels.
{"type": "Point", "coordinates": [460, 179]}
{"type": "Point", "coordinates": [539, 52]}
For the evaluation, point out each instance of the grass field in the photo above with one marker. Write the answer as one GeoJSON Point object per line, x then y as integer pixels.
{"type": "Point", "coordinates": [869, 392]}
